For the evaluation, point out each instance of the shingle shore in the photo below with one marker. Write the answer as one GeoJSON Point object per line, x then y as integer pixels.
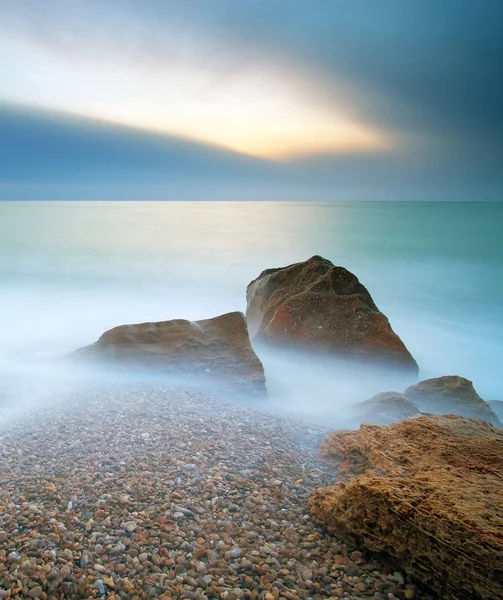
{"type": "Point", "coordinates": [143, 492]}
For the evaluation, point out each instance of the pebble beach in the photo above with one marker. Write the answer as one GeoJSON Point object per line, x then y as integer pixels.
{"type": "Point", "coordinates": [142, 492]}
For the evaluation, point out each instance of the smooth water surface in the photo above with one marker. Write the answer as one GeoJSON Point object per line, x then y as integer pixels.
{"type": "Point", "coordinates": [69, 271]}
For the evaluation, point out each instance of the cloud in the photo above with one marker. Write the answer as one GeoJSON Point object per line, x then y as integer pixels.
{"type": "Point", "coordinates": [49, 156]}
{"type": "Point", "coordinates": [428, 71]}
{"type": "Point", "coordinates": [422, 66]}
{"type": "Point", "coordinates": [424, 75]}
{"type": "Point", "coordinates": [55, 150]}
{"type": "Point", "coordinates": [173, 80]}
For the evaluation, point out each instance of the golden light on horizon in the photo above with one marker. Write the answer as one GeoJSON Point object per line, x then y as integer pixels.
{"type": "Point", "coordinates": [279, 130]}
{"type": "Point", "coordinates": [268, 110]}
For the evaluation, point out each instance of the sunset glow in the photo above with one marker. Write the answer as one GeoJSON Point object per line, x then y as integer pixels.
{"type": "Point", "coordinates": [266, 111]}
{"type": "Point", "coordinates": [249, 99]}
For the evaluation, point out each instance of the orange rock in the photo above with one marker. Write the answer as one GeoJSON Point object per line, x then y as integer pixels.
{"type": "Point", "coordinates": [319, 307]}
{"type": "Point", "coordinates": [428, 493]}
{"type": "Point", "coordinates": [215, 352]}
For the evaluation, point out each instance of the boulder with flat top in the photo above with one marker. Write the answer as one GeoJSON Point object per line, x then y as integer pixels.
{"type": "Point", "coordinates": [215, 352]}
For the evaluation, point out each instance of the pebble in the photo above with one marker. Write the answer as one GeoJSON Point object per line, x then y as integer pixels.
{"type": "Point", "coordinates": [139, 492]}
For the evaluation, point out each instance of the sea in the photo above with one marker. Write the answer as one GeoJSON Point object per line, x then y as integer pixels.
{"type": "Point", "coordinates": [71, 270]}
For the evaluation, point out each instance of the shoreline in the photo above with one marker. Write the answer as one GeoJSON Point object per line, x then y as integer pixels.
{"type": "Point", "coordinates": [141, 491]}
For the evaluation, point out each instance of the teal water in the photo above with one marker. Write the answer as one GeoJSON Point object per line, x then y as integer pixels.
{"type": "Point", "coordinates": [69, 271]}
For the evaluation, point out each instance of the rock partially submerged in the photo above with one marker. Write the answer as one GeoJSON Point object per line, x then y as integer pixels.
{"type": "Point", "coordinates": [428, 494]}
{"type": "Point", "coordinates": [450, 394]}
{"type": "Point", "coordinates": [319, 307]}
{"type": "Point", "coordinates": [216, 352]}
{"type": "Point", "coordinates": [384, 409]}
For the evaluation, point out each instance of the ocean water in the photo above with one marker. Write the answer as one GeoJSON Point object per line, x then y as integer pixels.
{"type": "Point", "coordinates": [71, 270]}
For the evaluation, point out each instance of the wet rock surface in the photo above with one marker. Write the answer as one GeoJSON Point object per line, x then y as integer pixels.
{"type": "Point", "coordinates": [450, 394]}
{"type": "Point", "coordinates": [217, 352]}
{"type": "Point", "coordinates": [428, 494]}
{"type": "Point", "coordinates": [319, 307]}
{"type": "Point", "coordinates": [144, 492]}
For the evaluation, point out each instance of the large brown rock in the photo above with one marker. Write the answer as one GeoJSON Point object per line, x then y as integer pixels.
{"type": "Point", "coordinates": [212, 351]}
{"type": "Point", "coordinates": [320, 307]}
{"type": "Point", "coordinates": [450, 394]}
{"type": "Point", "coordinates": [383, 409]}
{"type": "Point", "coordinates": [428, 494]}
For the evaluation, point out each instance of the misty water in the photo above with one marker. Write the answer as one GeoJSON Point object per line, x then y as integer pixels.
{"type": "Point", "coordinates": [70, 271]}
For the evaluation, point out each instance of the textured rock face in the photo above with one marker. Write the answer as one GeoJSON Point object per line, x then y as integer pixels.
{"type": "Point", "coordinates": [427, 493]}
{"type": "Point", "coordinates": [215, 351]}
{"type": "Point", "coordinates": [450, 394]}
{"type": "Point", "coordinates": [317, 306]}
{"type": "Point", "coordinates": [384, 409]}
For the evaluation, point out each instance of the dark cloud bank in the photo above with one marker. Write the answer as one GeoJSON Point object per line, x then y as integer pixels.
{"type": "Point", "coordinates": [429, 72]}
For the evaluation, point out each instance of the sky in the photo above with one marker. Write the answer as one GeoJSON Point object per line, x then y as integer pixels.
{"type": "Point", "coordinates": [256, 99]}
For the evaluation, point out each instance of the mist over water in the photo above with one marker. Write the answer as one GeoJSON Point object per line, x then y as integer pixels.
{"type": "Point", "coordinates": [70, 271]}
